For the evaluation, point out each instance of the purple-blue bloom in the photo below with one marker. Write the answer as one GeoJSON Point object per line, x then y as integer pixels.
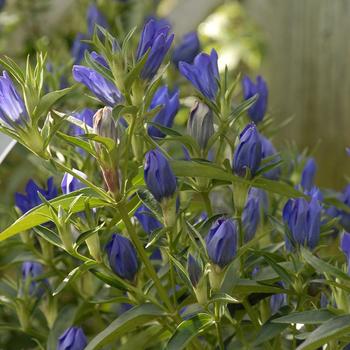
{"type": "Point", "coordinates": [203, 73]}
{"type": "Point", "coordinates": [257, 111]}
{"type": "Point", "coordinates": [86, 116]}
{"type": "Point", "coordinates": [194, 270]}
{"type": "Point", "coordinates": [277, 300]}
{"type": "Point", "coordinates": [102, 88]}
{"type": "Point", "coordinates": [12, 108]}
{"type": "Point", "coordinates": [99, 59]}
{"type": "Point", "coordinates": [248, 153]}
{"type": "Point", "coordinates": [70, 183]}
{"type": "Point", "coordinates": [79, 47]}
{"type": "Point", "coordinates": [268, 150]}
{"type": "Point", "coordinates": [166, 115]}
{"type": "Point", "coordinates": [122, 257]}
{"type": "Point", "coordinates": [147, 220]}
{"type": "Point", "coordinates": [303, 219]}
{"type": "Point", "coordinates": [30, 271]}
{"type": "Point", "coordinates": [31, 199]}
{"type": "Point", "coordinates": [156, 38]}
{"type": "Point", "coordinates": [221, 241]}
{"type": "Point", "coordinates": [345, 247]}
{"type": "Point", "coordinates": [159, 176]}
{"type": "Point", "coordinates": [308, 174]}
{"type": "Point", "coordinates": [72, 339]}
{"type": "Point", "coordinates": [187, 49]}
{"type": "Point", "coordinates": [345, 216]}
{"type": "Point", "coordinates": [95, 17]}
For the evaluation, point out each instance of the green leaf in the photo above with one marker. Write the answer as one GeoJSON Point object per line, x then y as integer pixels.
{"type": "Point", "coordinates": [48, 100]}
{"type": "Point", "coordinates": [39, 215]}
{"type": "Point", "coordinates": [127, 322]}
{"type": "Point", "coordinates": [245, 286]}
{"type": "Point", "coordinates": [77, 141]}
{"type": "Point", "coordinates": [189, 329]}
{"type": "Point", "coordinates": [48, 235]}
{"type": "Point", "coordinates": [199, 169]}
{"type": "Point", "coordinates": [109, 143]}
{"type": "Point", "coordinates": [223, 297]}
{"type": "Point", "coordinates": [306, 317]}
{"type": "Point", "coordinates": [164, 129]}
{"type": "Point", "coordinates": [85, 235]}
{"type": "Point", "coordinates": [322, 266]}
{"type": "Point", "coordinates": [332, 329]}
{"type": "Point", "coordinates": [268, 331]}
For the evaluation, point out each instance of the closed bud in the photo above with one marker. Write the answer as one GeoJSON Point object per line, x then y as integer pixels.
{"type": "Point", "coordinates": [345, 247]}
{"type": "Point", "coordinates": [200, 124]}
{"type": "Point", "coordinates": [159, 176]}
{"type": "Point", "coordinates": [147, 220]}
{"type": "Point", "coordinates": [198, 279]}
{"type": "Point", "coordinates": [308, 174]}
{"type": "Point", "coordinates": [122, 257]}
{"type": "Point", "coordinates": [104, 124]}
{"type": "Point", "coordinates": [248, 153]}
{"type": "Point", "coordinates": [72, 339]}
{"type": "Point", "coordinates": [303, 219]}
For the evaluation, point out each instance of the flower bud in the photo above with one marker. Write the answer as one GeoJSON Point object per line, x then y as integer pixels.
{"type": "Point", "coordinates": [345, 247]}
{"type": "Point", "coordinates": [72, 339]}
{"type": "Point", "coordinates": [159, 176]}
{"type": "Point", "coordinates": [248, 154]}
{"type": "Point", "coordinates": [200, 124]}
{"type": "Point", "coordinates": [221, 242]}
{"type": "Point", "coordinates": [344, 215]}
{"type": "Point", "coordinates": [30, 271]}
{"type": "Point", "coordinates": [122, 257]}
{"type": "Point", "coordinates": [194, 270]}
{"type": "Point", "coordinates": [95, 17]}
{"type": "Point", "coordinates": [304, 221]}
{"type": "Point", "coordinates": [147, 220]}
{"type": "Point", "coordinates": [277, 300]}
{"type": "Point", "coordinates": [187, 49]}
{"type": "Point", "coordinates": [257, 111]}
{"type": "Point", "coordinates": [308, 174]}
{"type": "Point", "coordinates": [104, 124]}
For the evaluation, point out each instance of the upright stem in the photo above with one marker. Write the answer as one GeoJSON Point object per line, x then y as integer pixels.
{"type": "Point", "coordinates": [171, 266]}
{"type": "Point", "coordinates": [206, 199]}
{"type": "Point", "coordinates": [218, 327]}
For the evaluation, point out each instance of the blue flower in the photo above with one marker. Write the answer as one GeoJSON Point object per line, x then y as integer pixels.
{"type": "Point", "coordinates": [268, 150]}
{"type": "Point", "coordinates": [102, 88]}
{"type": "Point", "coordinates": [159, 176]}
{"type": "Point", "coordinates": [166, 115]}
{"type": "Point", "coordinates": [31, 270]}
{"type": "Point", "coordinates": [308, 174]}
{"type": "Point", "coordinates": [187, 49]}
{"type": "Point", "coordinates": [31, 199]}
{"type": "Point", "coordinates": [12, 108]}
{"type": "Point", "coordinates": [147, 220]}
{"type": "Point", "coordinates": [79, 47]}
{"type": "Point", "coordinates": [70, 183]}
{"type": "Point", "coordinates": [156, 38]}
{"type": "Point", "coordinates": [221, 241]}
{"type": "Point", "coordinates": [95, 17]}
{"type": "Point", "coordinates": [99, 59]}
{"type": "Point", "coordinates": [345, 247]}
{"type": "Point", "coordinates": [277, 300]}
{"type": "Point", "coordinates": [203, 73]}
{"type": "Point", "coordinates": [256, 200]}
{"type": "Point", "coordinates": [257, 111]}
{"type": "Point", "coordinates": [72, 339]}
{"type": "Point", "coordinates": [303, 219]}
{"type": "Point", "coordinates": [344, 215]}
{"type": "Point", "coordinates": [194, 270]}
{"type": "Point", "coordinates": [248, 153]}
{"type": "Point", "coordinates": [86, 116]}
{"type": "Point", "coordinates": [122, 257]}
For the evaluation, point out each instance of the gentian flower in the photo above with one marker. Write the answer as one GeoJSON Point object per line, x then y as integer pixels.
{"type": "Point", "coordinates": [200, 124]}
{"type": "Point", "coordinates": [104, 124]}
{"type": "Point", "coordinates": [187, 49]}
{"type": "Point", "coordinates": [203, 73]}
{"type": "Point", "coordinates": [277, 300]}
{"type": "Point", "coordinates": [194, 270]}
{"type": "Point", "coordinates": [308, 174]}
{"type": "Point", "coordinates": [268, 150]}
{"type": "Point", "coordinates": [12, 108]}
{"type": "Point", "coordinates": [72, 339]}
{"type": "Point", "coordinates": [303, 219]}
{"type": "Point", "coordinates": [345, 247]}
{"type": "Point", "coordinates": [102, 88]}
{"type": "Point", "coordinates": [70, 183]}
{"type": "Point", "coordinates": [252, 212]}
{"type": "Point", "coordinates": [345, 216]}
{"type": "Point", "coordinates": [159, 176]}
{"type": "Point", "coordinates": [31, 199]}
{"type": "Point", "coordinates": [30, 271]}
{"type": "Point", "coordinates": [248, 153]}
{"type": "Point", "coordinates": [79, 47]}
{"type": "Point", "coordinates": [99, 59]}
{"type": "Point", "coordinates": [122, 257]}
{"type": "Point", "coordinates": [221, 241]}
{"type": "Point", "coordinates": [86, 116]}
{"type": "Point", "coordinates": [157, 39]}
{"type": "Point", "coordinates": [148, 222]}
{"type": "Point", "coordinates": [166, 115]}
{"type": "Point", "coordinates": [95, 17]}
{"type": "Point", "coordinates": [257, 111]}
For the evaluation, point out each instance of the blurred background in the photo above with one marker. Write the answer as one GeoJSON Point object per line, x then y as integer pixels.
{"type": "Point", "coordinates": [300, 47]}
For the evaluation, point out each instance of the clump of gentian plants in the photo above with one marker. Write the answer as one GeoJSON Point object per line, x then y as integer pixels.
{"type": "Point", "coordinates": [150, 236]}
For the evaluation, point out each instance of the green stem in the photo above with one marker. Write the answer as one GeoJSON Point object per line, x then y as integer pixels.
{"type": "Point", "coordinates": [149, 268]}
{"type": "Point", "coordinates": [128, 146]}
{"type": "Point", "coordinates": [171, 266]}
{"type": "Point", "coordinates": [206, 199]}
{"type": "Point", "coordinates": [218, 326]}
